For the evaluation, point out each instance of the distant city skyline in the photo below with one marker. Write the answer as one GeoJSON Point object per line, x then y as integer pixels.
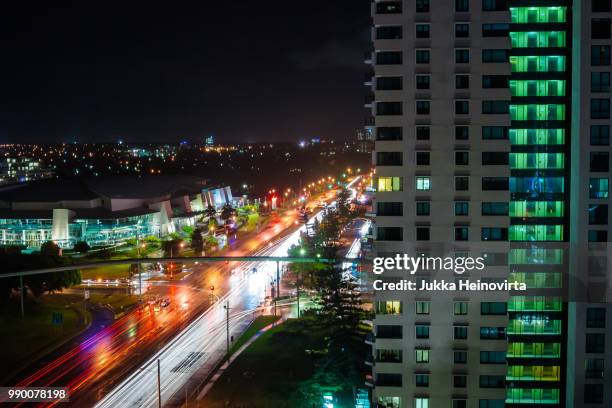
{"type": "Point", "coordinates": [247, 72]}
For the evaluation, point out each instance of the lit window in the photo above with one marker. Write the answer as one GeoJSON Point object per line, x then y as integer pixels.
{"type": "Point", "coordinates": [421, 403]}
{"type": "Point", "coordinates": [422, 356]}
{"type": "Point", "coordinates": [423, 183]}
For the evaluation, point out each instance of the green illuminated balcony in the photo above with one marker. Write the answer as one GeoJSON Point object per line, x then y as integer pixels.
{"type": "Point", "coordinates": [534, 304]}
{"type": "Point", "coordinates": [533, 373]}
{"type": "Point", "coordinates": [544, 87]}
{"type": "Point", "coordinates": [537, 63]}
{"type": "Point", "coordinates": [537, 39]}
{"type": "Point", "coordinates": [537, 136]}
{"type": "Point", "coordinates": [534, 324]}
{"type": "Point", "coordinates": [537, 112]}
{"type": "Point", "coordinates": [529, 15]}
{"type": "Point", "coordinates": [535, 233]}
{"type": "Point", "coordinates": [537, 161]}
{"type": "Point", "coordinates": [541, 280]}
{"type": "Point", "coordinates": [541, 396]}
{"type": "Point", "coordinates": [533, 350]}
{"type": "Point", "coordinates": [536, 208]}
{"type": "Point", "coordinates": [524, 256]}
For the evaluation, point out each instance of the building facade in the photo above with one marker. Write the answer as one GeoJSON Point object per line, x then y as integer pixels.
{"type": "Point", "coordinates": [491, 123]}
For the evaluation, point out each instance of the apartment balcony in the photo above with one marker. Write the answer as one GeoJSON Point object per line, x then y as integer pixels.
{"type": "Point", "coordinates": [369, 380]}
{"type": "Point", "coordinates": [367, 57]}
{"type": "Point", "coordinates": [369, 360]}
{"type": "Point", "coordinates": [370, 339]}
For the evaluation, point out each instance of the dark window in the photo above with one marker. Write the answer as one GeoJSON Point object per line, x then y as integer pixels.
{"type": "Point", "coordinates": [492, 333]}
{"type": "Point", "coordinates": [494, 132]}
{"type": "Point", "coordinates": [600, 108]}
{"type": "Point", "coordinates": [600, 6]}
{"type": "Point", "coordinates": [389, 133]}
{"type": "Point", "coordinates": [422, 133]}
{"type": "Point", "coordinates": [598, 236]}
{"type": "Point", "coordinates": [461, 234]}
{"type": "Point", "coordinates": [462, 81]}
{"type": "Point", "coordinates": [459, 403]}
{"type": "Point", "coordinates": [594, 368]}
{"type": "Point", "coordinates": [493, 308]}
{"type": "Point", "coordinates": [462, 158]}
{"type": "Point", "coordinates": [422, 234]}
{"type": "Point", "coordinates": [462, 208]}
{"type": "Point", "coordinates": [422, 332]}
{"type": "Point", "coordinates": [600, 55]}
{"type": "Point", "coordinates": [598, 214]}
{"type": "Point", "coordinates": [494, 208]}
{"type": "Point", "coordinates": [422, 107]}
{"type": "Point", "coordinates": [495, 107]}
{"type": "Point", "coordinates": [462, 183]}
{"type": "Point", "coordinates": [422, 380]}
{"type": "Point", "coordinates": [493, 357]}
{"type": "Point", "coordinates": [389, 108]}
{"type": "Point", "coordinates": [389, 33]}
{"type": "Point", "coordinates": [389, 209]}
{"type": "Point", "coordinates": [495, 30]}
{"type": "Point", "coordinates": [462, 56]}
{"type": "Point", "coordinates": [422, 56]}
{"type": "Point", "coordinates": [460, 357]}
{"type": "Point", "coordinates": [388, 380]}
{"type": "Point", "coordinates": [422, 6]}
{"type": "Point", "coordinates": [600, 28]}
{"type": "Point", "coordinates": [388, 7]}
{"type": "Point", "coordinates": [491, 403]}
{"type": "Point", "coordinates": [596, 318]}
{"type": "Point", "coordinates": [459, 381]}
{"type": "Point", "coordinates": [462, 132]}
{"type": "Point", "coordinates": [388, 57]}
{"type": "Point", "coordinates": [389, 233]}
{"type": "Point", "coordinates": [593, 393]}
{"type": "Point", "coordinates": [462, 5]}
{"type": "Point", "coordinates": [462, 30]}
{"type": "Point", "coordinates": [494, 234]}
{"type": "Point", "coordinates": [600, 162]}
{"type": "Point", "coordinates": [423, 81]}
{"type": "Point", "coordinates": [495, 81]}
{"type": "Point", "coordinates": [494, 158]}
{"type": "Point", "coordinates": [495, 56]}
{"type": "Point", "coordinates": [389, 83]}
{"type": "Point", "coordinates": [595, 343]}
{"type": "Point", "coordinates": [422, 207]}
{"type": "Point", "coordinates": [422, 31]}
{"type": "Point", "coordinates": [389, 158]}
{"type": "Point", "coordinates": [495, 183]}
{"type": "Point", "coordinates": [422, 158]}
{"type": "Point", "coordinates": [462, 107]}
{"type": "Point", "coordinates": [494, 5]}
{"type": "Point", "coordinates": [388, 331]}
{"type": "Point", "coordinates": [492, 381]}
{"type": "Point", "coordinates": [600, 82]}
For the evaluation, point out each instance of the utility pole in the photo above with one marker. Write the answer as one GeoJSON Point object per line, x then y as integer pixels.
{"type": "Point", "coordinates": [297, 284]}
{"type": "Point", "coordinates": [159, 404]}
{"type": "Point", "coordinates": [227, 335]}
{"type": "Point", "coordinates": [21, 290]}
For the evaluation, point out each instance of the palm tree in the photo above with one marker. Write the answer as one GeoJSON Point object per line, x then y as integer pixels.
{"type": "Point", "coordinates": [210, 212]}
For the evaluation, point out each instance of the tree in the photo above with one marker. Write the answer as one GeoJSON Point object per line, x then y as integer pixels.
{"type": "Point", "coordinates": [82, 247]}
{"type": "Point", "coordinates": [171, 247]}
{"type": "Point", "coordinates": [50, 249]}
{"type": "Point", "coordinates": [197, 243]}
{"type": "Point", "coordinates": [227, 212]}
{"type": "Point", "coordinates": [210, 212]}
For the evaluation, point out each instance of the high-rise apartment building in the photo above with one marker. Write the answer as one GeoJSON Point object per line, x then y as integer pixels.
{"type": "Point", "coordinates": [491, 121]}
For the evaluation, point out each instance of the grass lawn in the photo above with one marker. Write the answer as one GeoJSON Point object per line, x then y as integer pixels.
{"type": "Point", "coordinates": [106, 272]}
{"type": "Point", "coordinates": [25, 338]}
{"type": "Point", "coordinates": [269, 371]}
{"type": "Point", "coordinates": [117, 301]}
{"type": "Point", "coordinates": [259, 323]}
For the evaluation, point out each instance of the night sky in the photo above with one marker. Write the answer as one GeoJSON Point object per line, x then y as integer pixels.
{"type": "Point", "coordinates": [243, 70]}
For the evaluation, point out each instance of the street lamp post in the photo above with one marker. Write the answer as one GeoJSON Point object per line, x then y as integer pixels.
{"type": "Point", "coordinates": [227, 335]}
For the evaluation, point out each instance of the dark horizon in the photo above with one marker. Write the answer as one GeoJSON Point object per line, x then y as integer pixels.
{"type": "Point", "coordinates": [248, 72]}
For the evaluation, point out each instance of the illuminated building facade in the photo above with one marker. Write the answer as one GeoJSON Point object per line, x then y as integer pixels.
{"type": "Point", "coordinates": [491, 124]}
